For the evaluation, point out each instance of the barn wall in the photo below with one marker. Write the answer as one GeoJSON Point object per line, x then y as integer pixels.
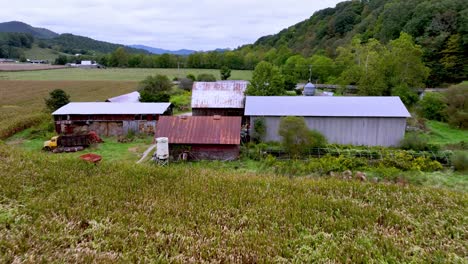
{"type": "Point", "coordinates": [206, 152]}
{"type": "Point", "coordinates": [368, 131]}
{"type": "Point", "coordinates": [217, 111]}
{"type": "Point", "coordinates": [105, 128]}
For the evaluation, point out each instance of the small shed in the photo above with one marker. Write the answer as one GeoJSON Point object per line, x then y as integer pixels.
{"type": "Point", "coordinates": [225, 98]}
{"type": "Point", "coordinates": [109, 119]}
{"type": "Point", "coordinates": [201, 137]}
{"type": "Point", "coordinates": [369, 121]}
{"type": "Point", "coordinates": [133, 97]}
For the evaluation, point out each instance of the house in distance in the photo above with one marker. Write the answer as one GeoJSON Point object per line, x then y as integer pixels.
{"type": "Point", "coordinates": [225, 98]}
{"type": "Point", "coordinates": [368, 121]}
{"type": "Point", "coordinates": [109, 119]}
{"type": "Point", "coordinates": [201, 137]}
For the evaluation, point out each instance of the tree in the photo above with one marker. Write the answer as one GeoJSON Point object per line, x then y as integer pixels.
{"type": "Point", "coordinates": [156, 84]}
{"type": "Point", "coordinates": [61, 60]}
{"type": "Point", "coordinates": [57, 98]}
{"type": "Point", "coordinates": [297, 139]}
{"type": "Point", "coordinates": [225, 73]}
{"type": "Point", "coordinates": [155, 89]}
{"type": "Point", "coordinates": [119, 58]}
{"type": "Point", "coordinates": [266, 80]}
{"type": "Point", "coordinates": [433, 107]}
{"type": "Point", "coordinates": [186, 84]}
{"type": "Point", "coordinates": [206, 77]}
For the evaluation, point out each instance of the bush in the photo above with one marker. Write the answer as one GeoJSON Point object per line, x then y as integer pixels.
{"type": "Point", "coordinates": [191, 77]}
{"type": "Point", "coordinates": [407, 95]}
{"type": "Point", "coordinates": [259, 129]}
{"type": "Point", "coordinates": [433, 107]}
{"type": "Point", "coordinates": [418, 142]}
{"type": "Point", "coordinates": [460, 161]}
{"type": "Point", "coordinates": [155, 84]}
{"type": "Point", "coordinates": [457, 106]}
{"type": "Point", "coordinates": [297, 138]}
{"type": "Point", "coordinates": [206, 77]}
{"type": "Point", "coordinates": [225, 73]}
{"type": "Point", "coordinates": [147, 97]}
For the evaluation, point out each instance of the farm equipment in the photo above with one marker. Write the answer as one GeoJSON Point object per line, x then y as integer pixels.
{"type": "Point", "coordinates": [71, 143]}
{"type": "Point", "coordinates": [91, 157]}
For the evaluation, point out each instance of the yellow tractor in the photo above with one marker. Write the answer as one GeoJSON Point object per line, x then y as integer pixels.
{"type": "Point", "coordinates": [51, 144]}
{"type": "Point", "coordinates": [69, 143]}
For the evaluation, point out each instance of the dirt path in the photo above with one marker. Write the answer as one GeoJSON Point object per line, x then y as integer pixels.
{"type": "Point", "coordinates": [145, 154]}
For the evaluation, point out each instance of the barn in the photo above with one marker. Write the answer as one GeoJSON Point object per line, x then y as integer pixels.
{"type": "Point", "coordinates": [225, 98]}
{"type": "Point", "coordinates": [201, 137]}
{"type": "Point", "coordinates": [133, 97]}
{"type": "Point", "coordinates": [109, 119]}
{"type": "Point", "coordinates": [368, 121]}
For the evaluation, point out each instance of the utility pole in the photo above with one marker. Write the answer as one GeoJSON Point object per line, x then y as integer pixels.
{"type": "Point", "coordinates": [310, 73]}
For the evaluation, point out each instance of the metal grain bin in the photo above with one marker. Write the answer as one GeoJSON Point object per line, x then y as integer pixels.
{"type": "Point", "coordinates": [309, 89]}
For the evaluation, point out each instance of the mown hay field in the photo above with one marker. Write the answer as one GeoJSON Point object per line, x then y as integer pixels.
{"type": "Point", "coordinates": [59, 209]}
{"type": "Point", "coordinates": [22, 102]}
{"type": "Point", "coordinates": [26, 67]}
{"type": "Point", "coordinates": [114, 74]}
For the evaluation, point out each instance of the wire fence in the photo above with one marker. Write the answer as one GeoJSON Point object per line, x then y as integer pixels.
{"type": "Point", "coordinates": [444, 157]}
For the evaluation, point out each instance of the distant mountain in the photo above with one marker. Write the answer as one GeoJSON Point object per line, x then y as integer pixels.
{"type": "Point", "coordinates": [70, 43]}
{"type": "Point", "coordinates": [20, 27]}
{"type": "Point", "coordinates": [162, 51]}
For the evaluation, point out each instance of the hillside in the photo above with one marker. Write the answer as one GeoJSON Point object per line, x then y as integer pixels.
{"type": "Point", "coordinates": [20, 27]}
{"type": "Point", "coordinates": [439, 26]}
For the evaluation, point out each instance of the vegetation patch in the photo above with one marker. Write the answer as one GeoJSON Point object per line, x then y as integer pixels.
{"type": "Point", "coordinates": [60, 209]}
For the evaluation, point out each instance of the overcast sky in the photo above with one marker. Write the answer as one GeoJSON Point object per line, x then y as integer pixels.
{"type": "Point", "coordinates": [177, 24]}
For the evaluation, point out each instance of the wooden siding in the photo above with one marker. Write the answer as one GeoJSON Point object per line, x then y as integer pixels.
{"type": "Point", "coordinates": [367, 131]}
{"type": "Point", "coordinates": [218, 111]}
{"type": "Point", "coordinates": [205, 151]}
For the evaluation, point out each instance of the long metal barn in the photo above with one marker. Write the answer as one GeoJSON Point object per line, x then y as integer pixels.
{"type": "Point", "coordinates": [368, 121]}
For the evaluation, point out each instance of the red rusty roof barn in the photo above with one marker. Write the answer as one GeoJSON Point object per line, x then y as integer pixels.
{"type": "Point", "coordinates": [202, 137]}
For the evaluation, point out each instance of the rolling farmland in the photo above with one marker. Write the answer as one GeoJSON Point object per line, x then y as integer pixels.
{"type": "Point", "coordinates": [113, 74]}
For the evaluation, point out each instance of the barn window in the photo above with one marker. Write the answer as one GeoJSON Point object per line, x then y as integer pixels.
{"type": "Point", "coordinates": [143, 117]}
{"type": "Point", "coordinates": [137, 117]}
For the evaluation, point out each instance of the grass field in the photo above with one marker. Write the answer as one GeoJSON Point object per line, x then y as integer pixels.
{"type": "Point", "coordinates": [443, 134]}
{"type": "Point", "coordinates": [37, 53]}
{"type": "Point", "coordinates": [21, 102]}
{"type": "Point", "coordinates": [113, 74]}
{"type": "Point", "coordinates": [59, 209]}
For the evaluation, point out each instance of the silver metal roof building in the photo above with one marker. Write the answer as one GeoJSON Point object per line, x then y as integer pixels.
{"type": "Point", "coordinates": [133, 97]}
{"type": "Point", "coordinates": [370, 106]}
{"type": "Point", "coordinates": [371, 121]}
{"type": "Point", "coordinates": [102, 108]}
{"type": "Point", "coordinates": [220, 94]}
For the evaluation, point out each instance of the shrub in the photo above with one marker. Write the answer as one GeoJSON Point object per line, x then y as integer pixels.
{"type": "Point", "coordinates": [433, 107]}
{"type": "Point", "coordinates": [457, 106]}
{"type": "Point", "coordinates": [191, 77]}
{"type": "Point", "coordinates": [407, 95]}
{"type": "Point", "coordinates": [259, 129]}
{"type": "Point", "coordinates": [296, 137]}
{"type": "Point", "coordinates": [460, 161]}
{"type": "Point", "coordinates": [206, 77]}
{"type": "Point", "coordinates": [418, 142]}
{"type": "Point", "coordinates": [225, 72]}
{"type": "Point", "coordinates": [155, 84]}
{"type": "Point", "coordinates": [146, 96]}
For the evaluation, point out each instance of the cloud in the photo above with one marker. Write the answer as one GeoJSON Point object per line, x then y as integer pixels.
{"type": "Point", "coordinates": [199, 25]}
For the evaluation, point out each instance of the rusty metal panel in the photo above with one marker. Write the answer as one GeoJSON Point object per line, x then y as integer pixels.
{"type": "Point", "coordinates": [221, 94]}
{"type": "Point", "coordinates": [200, 129]}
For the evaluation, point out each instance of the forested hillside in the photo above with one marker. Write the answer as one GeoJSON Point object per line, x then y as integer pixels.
{"type": "Point", "coordinates": [439, 26]}
{"type": "Point", "coordinates": [70, 43]}
{"type": "Point", "coordinates": [20, 27]}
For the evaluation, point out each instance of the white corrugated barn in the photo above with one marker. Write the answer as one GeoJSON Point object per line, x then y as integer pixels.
{"type": "Point", "coordinates": [109, 119]}
{"type": "Point", "coordinates": [225, 98]}
{"type": "Point", "coordinates": [369, 121]}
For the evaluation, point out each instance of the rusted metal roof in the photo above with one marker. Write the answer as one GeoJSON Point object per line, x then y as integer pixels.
{"type": "Point", "coordinates": [220, 94]}
{"type": "Point", "coordinates": [200, 129]}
